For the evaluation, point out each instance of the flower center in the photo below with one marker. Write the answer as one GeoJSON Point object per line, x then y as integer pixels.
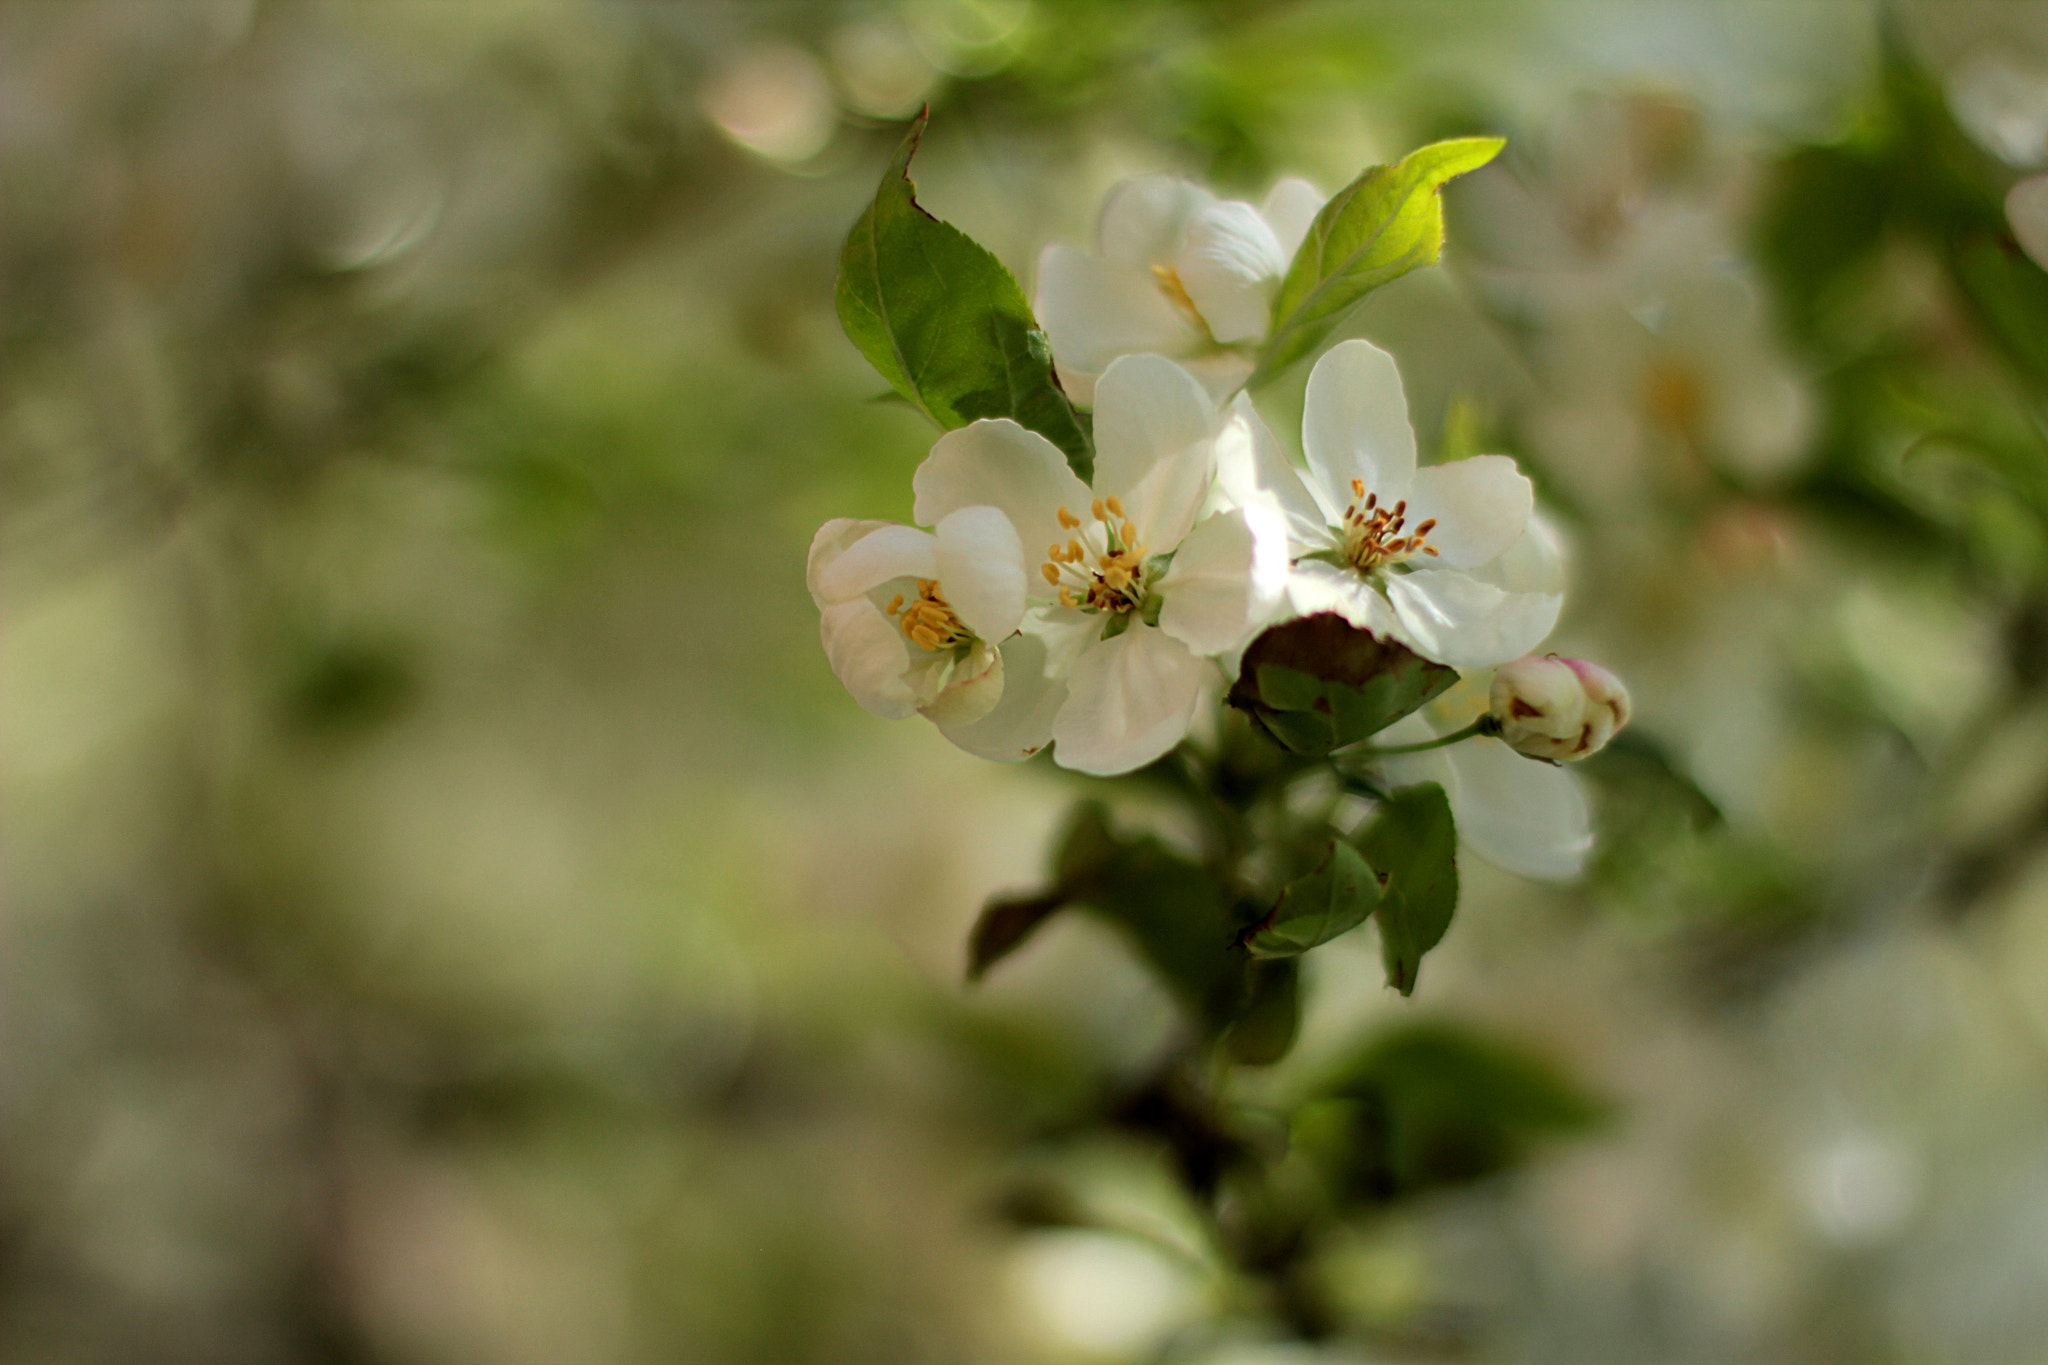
{"type": "Point", "coordinates": [1373, 534]}
{"type": "Point", "coordinates": [1116, 580]}
{"type": "Point", "coordinates": [928, 621]}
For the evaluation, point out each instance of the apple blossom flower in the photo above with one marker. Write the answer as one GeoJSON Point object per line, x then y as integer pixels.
{"type": "Point", "coordinates": [1447, 559]}
{"type": "Point", "coordinates": [1177, 272]}
{"type": "Point", "coordinates": [924, 622]}
{"type": "Point", "coordinates": [1133, 595]}
{"type": "Point", "coordinates": [1557, 709]}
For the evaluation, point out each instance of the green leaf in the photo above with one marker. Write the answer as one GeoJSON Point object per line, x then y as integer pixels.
{"type": "Point", "coordinates": [1334, 898]}
{"type": "Point", "coordinates": [1433, 1105]}
{"type": "Point", "coordinates": [1413, 842]}
{"type": "Point", "coordinates": [944, 322]}
{"type": "Point", "coordinates": [1318, 682]}
{"type": "Point", "coordinates": [1005, 922]}
{"type": "Point", "coordinates": [1270, 1018]}
{"type": "Point", "coordinates": [1376, 229]}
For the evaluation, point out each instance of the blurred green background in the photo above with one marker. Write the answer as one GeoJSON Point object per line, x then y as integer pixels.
{"type": "Point", "coordinates": [453, 914]}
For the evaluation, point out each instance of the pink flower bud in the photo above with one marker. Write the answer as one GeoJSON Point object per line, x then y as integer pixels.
{"type": "Point", "coordinates": [1557, 709]}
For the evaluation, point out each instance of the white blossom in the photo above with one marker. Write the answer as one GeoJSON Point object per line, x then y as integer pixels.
{"type": "Point", "coordinates": [1132, 597]}
{"type": "Point", "coordinates": [924, 622]}
{"type": "Point", "coordinates": [1176, 272]}
{"type": "Point", "coordinates": [1446, 559]}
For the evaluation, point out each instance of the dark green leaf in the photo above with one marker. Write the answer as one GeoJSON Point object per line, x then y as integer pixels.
{"type": "Point", "coordinates": [1333, 899]}
{"type": "Point", "coordinates": [2011, 297]}
{"type": "Point", "coordinates": [1005, 922]}
{"type": "Point", "coordinates": [1430, 1106]}
{"type": "Point", "coordinates": [1413, 842]}
{"type": "Point", "coordinates": [1376, 229]}
{"type": "Point", "coordinates": [1270, 1017]}
{"type": "Point", "coordinates": [1318, 682]}
{"type": "Point", "coordinates": [944, 322]}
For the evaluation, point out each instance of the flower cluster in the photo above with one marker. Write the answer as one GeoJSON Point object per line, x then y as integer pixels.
{"type": "Point", "coordinates": [1103, 618]}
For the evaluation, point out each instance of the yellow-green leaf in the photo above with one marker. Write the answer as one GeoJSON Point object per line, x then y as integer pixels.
{"type": "Point", "coordinates": [1378, 228]}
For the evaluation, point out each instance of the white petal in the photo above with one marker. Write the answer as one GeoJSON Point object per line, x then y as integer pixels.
{"type": "Point", "coordinates": [1457, 620]}
{"type": "Point", "coordinates": [1155, 431]}
{"type": "Point", "coordinates": [1230, 265]}
{"type": "Point", "coordinates": [1065, 633]}
{"type": "Point", "coordinates": [1536, 562]}
{"type": "Point", "coordinates": [973, 687]}
{"type": "Point", "coordinates": [1250, 466]}
{"type": "Point", "coordinates": [1289, 210]}
{"type": "Point", "coordinates": [1354, 424]}
{"type": "Point", "coordinates": [1313, 586]}
{"type": "Point", "coordinates": [830, 543]}
{"type": "Point", "coordinates": [1480, 506]}
{"type": "Point", "coordinates": [1144, 219]}
{"type": "Point", "coordinates": [869, 655]}
{"type": "Point", "coordinates": [2026, 208]}
{"type": "Point", "coordinates": [1226, 579]}
{"type": "Point", "coordinates": [996, 463]}
{"type": "Point", "coordinates": [981, 570]}
{"type": "Point", "coordinates": [1519, 814]}
{"type": "Point", "coordinates": [1221, 374]}
{"type": "Point", "coordinates": [1129, 700]}
{"type": "Point", "coordinates": [1094, 311]}
{"type": "Point", "coordinates": [890, 551]}
{"type": "Point", "coordinates": [1021, 723]}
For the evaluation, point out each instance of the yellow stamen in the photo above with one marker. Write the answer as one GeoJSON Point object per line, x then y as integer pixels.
{"type": "Point", "coordinates": [1116, 508]}
{"type": "Point", "coordinates": [1358, 488]}
{"type": "Point", "coordinates": [1051, 572]}
{"type": "Point", "coordinates": [1096, 508]}
{"type": "Point", "coordinates": [1068, 521]}
{"type": "Point", "coordinates": [896, 604]}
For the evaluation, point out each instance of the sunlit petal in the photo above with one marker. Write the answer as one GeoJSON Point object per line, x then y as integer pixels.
{"type": "Point", "coordinates": [1355, 424]}
{"type": "Point", "coordinates": [1226, 579]}
{"type": "Point", "coordinates": [1457, 620]}
{"type": "Point", "coordinates": [1250, 464]}
{"type": "Point", "coordinates": [1155, 432]}
{"type": "Point", "coordinates": [1480, 506]}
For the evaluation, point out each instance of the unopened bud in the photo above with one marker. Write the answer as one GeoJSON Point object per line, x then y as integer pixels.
{"type": "Point", "coordinates": [1559, 709]}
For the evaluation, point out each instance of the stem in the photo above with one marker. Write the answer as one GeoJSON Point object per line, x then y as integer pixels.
{"type": "Point", "coordinates": [1485, 725]}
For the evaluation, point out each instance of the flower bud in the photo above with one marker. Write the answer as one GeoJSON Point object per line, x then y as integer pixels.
{"type": "Point", "coordinates": [1557, 709]}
